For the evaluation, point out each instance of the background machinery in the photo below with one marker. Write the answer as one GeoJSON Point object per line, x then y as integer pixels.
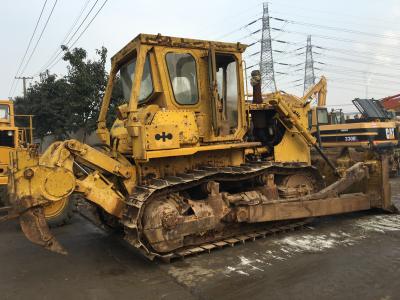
{"type": "Point", "coordinates": [9, 139]}
{"type": "Point", "coordinates": [20, 136]}
{"type": "Point", "coordinates": [189, 166]}
{"type": "Point", "coordinates": [373, 130]}
{"type": "Point", "coordinates": [392, 104]}
{"type": "Point", "coordinates": [373, 127]}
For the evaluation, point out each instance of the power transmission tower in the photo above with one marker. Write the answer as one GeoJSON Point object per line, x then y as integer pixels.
{"type": "Point", "coordinates": [24, 78]}
{"type": "Point", "coordinates": [309, 76]}
{"type": "Point", "coordinates": [266, 61]}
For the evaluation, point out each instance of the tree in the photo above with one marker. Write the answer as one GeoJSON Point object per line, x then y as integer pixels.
{"type": "Point", "coordinates": [45, 100]}
{"type": "Point", "coordinates": [72, 102]}
{"type": "Point", "coordinates": [87, 81]}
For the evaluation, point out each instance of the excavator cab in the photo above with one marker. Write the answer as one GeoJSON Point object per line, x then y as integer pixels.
{"type": "Point", "coordinates": [317, 116]}
{"type": "Point", "coordinates": [321, 116]}
{"type": "Point", "coordinates": [336, 116]}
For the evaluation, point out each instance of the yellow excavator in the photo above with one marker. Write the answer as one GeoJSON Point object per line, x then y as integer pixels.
{"type": "Point", "coordinates": [189, 165]}
{"type": "Point", "coordinates": [356, 139]}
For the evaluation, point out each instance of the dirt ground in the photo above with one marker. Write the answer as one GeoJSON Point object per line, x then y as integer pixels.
{"type": "Point", "coordinates": [356, 256]}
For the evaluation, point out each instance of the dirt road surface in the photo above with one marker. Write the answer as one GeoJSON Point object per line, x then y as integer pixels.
{"type": "Point", "coordinates": [356, 256]}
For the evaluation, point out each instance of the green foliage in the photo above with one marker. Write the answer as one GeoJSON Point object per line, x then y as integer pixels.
{"type": "Point", "coordinates": [46, 101]}
{"type": "Point", "coordinates": [87, 82]}
{"type": "Point", "coordinates": [72, 102]}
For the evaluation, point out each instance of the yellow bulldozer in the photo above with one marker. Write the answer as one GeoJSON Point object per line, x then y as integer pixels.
{"type": "Point", "coordinates": [8, 141]}
{"type": "Point", "coordinates": [12, 137]}
{"type": "Point", "coordinates": [189, 165]}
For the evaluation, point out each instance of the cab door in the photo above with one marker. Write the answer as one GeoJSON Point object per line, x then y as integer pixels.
{"type": "Point", "coordinates": [224, 91]}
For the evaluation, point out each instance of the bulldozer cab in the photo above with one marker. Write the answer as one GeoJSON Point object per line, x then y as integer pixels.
{"type": "Point", "coordinates": [190, 94]}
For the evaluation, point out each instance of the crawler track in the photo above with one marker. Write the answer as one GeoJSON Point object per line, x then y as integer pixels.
{"type": "Point", "coordinates": [250, 236]}
{"type": "Point", "coordinates": [160, 187]}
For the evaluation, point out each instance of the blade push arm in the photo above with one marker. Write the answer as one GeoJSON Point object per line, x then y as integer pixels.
{"type": "Point", "coordinates": [35, 182]}
{"type": "Point", "coordinates": [286, 112]}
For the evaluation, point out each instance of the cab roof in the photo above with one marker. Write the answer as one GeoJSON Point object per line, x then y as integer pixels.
{"type": "Point", "coordinates": [169, 41]}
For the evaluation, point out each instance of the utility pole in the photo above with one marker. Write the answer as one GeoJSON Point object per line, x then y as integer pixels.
{"type": "Point", "coordinates": [24, 78]}
{"type": "Point", "coordinates": [309, 76]}
{"type": "Point", "coordinates": [266, 61]}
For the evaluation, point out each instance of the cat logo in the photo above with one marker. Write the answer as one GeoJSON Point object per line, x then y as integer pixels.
{"type": "Point", "coordinates": [164, 136]}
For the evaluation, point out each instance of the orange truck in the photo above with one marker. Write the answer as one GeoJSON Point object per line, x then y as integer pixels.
{"type": "Point", "coordinates": [392, 103]}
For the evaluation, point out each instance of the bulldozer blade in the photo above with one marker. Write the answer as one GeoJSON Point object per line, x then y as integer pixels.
{"type": "Point", "coordinates": [35, 228]}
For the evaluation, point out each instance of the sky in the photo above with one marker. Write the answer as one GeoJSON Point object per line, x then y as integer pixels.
{"type": "Point", "coordinates": [355, 43]}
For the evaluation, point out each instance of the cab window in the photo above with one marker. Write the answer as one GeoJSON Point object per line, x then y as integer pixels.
{"type": "Point", "coordinates": [228, 87]}
{"type": "Point", "coordinates": [7, 138]}
{"type": "Point", "coordinates": [127, 74]}
{"type": "Point", "coordinates": [4, 111]}
{"type": "Point", "coordinates": [322, 116]}
{"type": "Point", "coordinates": [183, 77]}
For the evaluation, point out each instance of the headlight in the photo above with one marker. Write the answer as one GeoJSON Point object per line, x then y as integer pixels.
{"type": "Point", "coordinates": [10, 133]}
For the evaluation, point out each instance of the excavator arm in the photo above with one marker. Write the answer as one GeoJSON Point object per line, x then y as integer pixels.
{"type": "Point", "coordinates": [64, 168]}
{"type": "Point", "coordinates": [321, 89]}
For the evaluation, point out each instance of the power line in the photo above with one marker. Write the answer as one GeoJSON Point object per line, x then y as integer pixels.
{"type": "Point", "coordinates": [362, 76]}
{"type": "Point", "coordinates": [335, 19]}
{"type": "Point", "coordinates": [56, 59]}
{"type": "Point", "coordinates": [381, 64]}
{"type": "Point", "coordinates": [87, 26]}
{"type": "Point", "coordinates": [40, 36]}
{"type": "Point", "coordinates": [83, 31]}
{"type": "Point", "coordinates": [27, 48]}
{"type": "Point", "coordinates": [238, 29]}
{"type": "Point", "coordinates": [343, 68]}
{"type": "Point", "coordinates": [335, 28]}
{"type": "Point", "coordinates": [333, 38]}
{"type": "Point", "coordinates": [330, 12]}
{"type": "Point", "coordinates": [36, 44]}
{"type": "Point", "coordinates": [346, 82]}
{"type": "Point", "coordinates": [233, 17]}
{"type": "Point", "coordinates": [365, 54]}
{"type": "Point", "coordinates": [362, 54]}
{"type": "Point", "coordinates": [65, 38]}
